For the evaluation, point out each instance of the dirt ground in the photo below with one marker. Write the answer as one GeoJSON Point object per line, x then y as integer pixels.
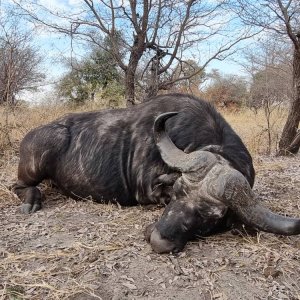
{"type": "Point", "coordinates": [82, 250]}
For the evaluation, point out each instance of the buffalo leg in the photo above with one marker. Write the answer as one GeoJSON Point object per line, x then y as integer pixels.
{"type": "Point", "coordinates": [30, 174]}
{"type": "Point", "coordinates": [39, 151]}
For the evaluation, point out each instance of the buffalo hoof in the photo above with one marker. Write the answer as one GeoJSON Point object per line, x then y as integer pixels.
{"type": "Point", "coordinates": [148, 231]}
{"type": "Point", "coordinates": [28, 208]}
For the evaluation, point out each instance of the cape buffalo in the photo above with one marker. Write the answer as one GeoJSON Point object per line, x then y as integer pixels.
{"type": "Point", "coordinates": [174, 149]}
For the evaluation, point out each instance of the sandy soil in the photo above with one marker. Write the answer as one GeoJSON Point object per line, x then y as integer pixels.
{"type": "Point", "coordinates": [82, 250]}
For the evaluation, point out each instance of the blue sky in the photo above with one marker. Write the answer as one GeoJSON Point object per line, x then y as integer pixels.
{"type": "Point", "coordinates": [56, 47]}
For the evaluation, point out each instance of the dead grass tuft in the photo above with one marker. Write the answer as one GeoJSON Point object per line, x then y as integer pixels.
{"type": "Point", "coordinates": [252, 128]}
{"type": "Point", "coordinates": [16, 122]}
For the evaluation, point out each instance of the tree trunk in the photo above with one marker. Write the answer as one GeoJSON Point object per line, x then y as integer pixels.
{"type": "Point", "coordinates": [129, 87]}
{"type": "Point", "coordinates": [135, 56]}
{"type": "Point", "coordinates": [152, 88]}
{"type": "Point", "coordinates": [288, 141]}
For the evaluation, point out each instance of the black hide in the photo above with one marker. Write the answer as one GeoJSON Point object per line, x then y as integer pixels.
{"type": "Point", "coordinates": [111, 155]}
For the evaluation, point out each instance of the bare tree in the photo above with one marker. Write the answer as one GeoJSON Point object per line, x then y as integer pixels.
{"type": "Point", "coordinates": [19, 61]}
{"type": "Point", "coordinates": [155, 35]}
{"type": "Point", "coordinates": [283, 18]}
{"type": "Point", "coordinates": [268, 63]}
{"type": "Point", "coordinates": [190, 85]}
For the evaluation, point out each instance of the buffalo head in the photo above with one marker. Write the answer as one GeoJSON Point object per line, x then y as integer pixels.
{"type": "Point", "coordinates": [207, 188]}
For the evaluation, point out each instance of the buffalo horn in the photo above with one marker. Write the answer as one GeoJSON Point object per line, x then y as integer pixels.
{"type": "Point", "coordinates": [173, 156]}
{"type": "Point", "coordinates": [242, 200]}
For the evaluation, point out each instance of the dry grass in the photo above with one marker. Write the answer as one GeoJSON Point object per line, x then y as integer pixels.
{"type": "Point", "coordinates": [16, 122]}
{"type": "Point", "coordinates": [252, 127]}
{"type": "Point", "coordinates": [77, 250]}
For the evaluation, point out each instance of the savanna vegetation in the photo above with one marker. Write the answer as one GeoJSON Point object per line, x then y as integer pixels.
{"type": "Point", "coordinates": [120, 53]}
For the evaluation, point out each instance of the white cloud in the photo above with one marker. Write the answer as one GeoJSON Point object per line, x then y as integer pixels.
{"type": "Point", "coordinates": [75, 2]}
{"type": "Point", "coordinates": [55, 5]}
